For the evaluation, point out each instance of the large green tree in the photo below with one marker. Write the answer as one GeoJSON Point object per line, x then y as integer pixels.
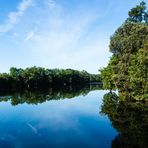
{"type": "Point", "coordinates": [127, 69]}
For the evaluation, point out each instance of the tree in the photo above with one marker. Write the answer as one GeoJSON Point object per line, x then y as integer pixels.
{"type": "Point", "coordinates": [128, 65]}
{"type": "Point", "coordinates": [38, 77]}
{"type": "Point", "coordinates": [139, 13]}
{"type": "Point", "coordinates": [138, 73]}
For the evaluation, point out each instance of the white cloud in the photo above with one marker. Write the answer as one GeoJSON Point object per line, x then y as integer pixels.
{"type": "Point", "coordinates": [29, 36]}
{"type": "Point", "coordinates": [24, 5]}
{"type": "Point", "coordinates": [50, 3]}
{"type": "Point", "coordinates": [13, 17]}
{"type": "Point", "coordinates": [54, 38]}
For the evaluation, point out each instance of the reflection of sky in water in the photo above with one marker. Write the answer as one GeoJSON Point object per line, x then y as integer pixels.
{"type": "Point", "coordinates": [62, 123]}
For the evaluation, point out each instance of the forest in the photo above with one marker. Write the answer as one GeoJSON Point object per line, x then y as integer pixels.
{"type": "Point", "coordinates": [38, 77]}
{"type": "Point", "coordinates": [127, 70]}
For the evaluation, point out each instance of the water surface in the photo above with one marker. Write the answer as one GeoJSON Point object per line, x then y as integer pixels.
{"type": "Point", "coordinates": [64, 122]}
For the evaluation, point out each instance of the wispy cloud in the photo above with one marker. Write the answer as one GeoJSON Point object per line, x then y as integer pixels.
{"type": "Point", "coordinates": [13, 17]}
{"type": "Point", "coordinates": [50, 3]}
{"type": "Point", "coordinates": [54, 36]}
{"type": "Point", "coordinates": [29, 35]}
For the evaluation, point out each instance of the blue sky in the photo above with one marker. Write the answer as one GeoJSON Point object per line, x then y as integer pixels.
{"type": "Point", "coordinates": [59, 33]}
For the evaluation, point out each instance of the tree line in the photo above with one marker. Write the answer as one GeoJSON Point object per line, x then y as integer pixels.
{"type": "Point", "coordinates": [127, 70]}
{"type": "Point", "coordinates": [38, 77]}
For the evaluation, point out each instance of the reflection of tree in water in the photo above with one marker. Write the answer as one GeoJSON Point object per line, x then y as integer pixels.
{"type": "Point", "coordinates": [130, 119]}
{"type": "Point", "coordinates": [40, 96]}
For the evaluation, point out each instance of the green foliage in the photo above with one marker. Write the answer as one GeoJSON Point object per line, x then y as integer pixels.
{"type": "Point", "coordinates": [127, 69]}
{"type": "Point", "coordinates": [106, 75]}
{"type": "Point", "coordinates": [138, 73]}
{"type": "Point", "coordinates": [38, 77]}
{"type": "Point", "coordinates": [129, 38]}
{"type": "Point", "coordinates": [139, 13]}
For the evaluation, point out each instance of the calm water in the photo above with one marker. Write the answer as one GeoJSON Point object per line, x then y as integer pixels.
{"type": "Point", "coordinates": [66, 121]}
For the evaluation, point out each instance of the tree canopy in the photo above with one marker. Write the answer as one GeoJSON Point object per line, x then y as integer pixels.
{"type": "Point", "coordinates": [127, 70]}
{"type": "Point", "coordinates": [38, 77]}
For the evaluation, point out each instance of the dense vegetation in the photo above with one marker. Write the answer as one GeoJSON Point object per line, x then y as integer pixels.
{"type": "Point", "coordinates": [127, 70]}
{"type": "Point", "coordinates": [37, 77]}
{"type": "Point", "coordinates": [129, 118]}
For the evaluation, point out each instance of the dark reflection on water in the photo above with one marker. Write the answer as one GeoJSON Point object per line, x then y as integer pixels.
{"type": "Point", "coordinates": [130, 119]}
{"type": "Point", "coordinates": [40, 96]}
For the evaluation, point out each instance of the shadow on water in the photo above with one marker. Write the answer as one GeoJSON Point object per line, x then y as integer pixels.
{"type": "Point", "coordinates": [37, 96]}
{"type": "Point", "coordinates": [130, 119]}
